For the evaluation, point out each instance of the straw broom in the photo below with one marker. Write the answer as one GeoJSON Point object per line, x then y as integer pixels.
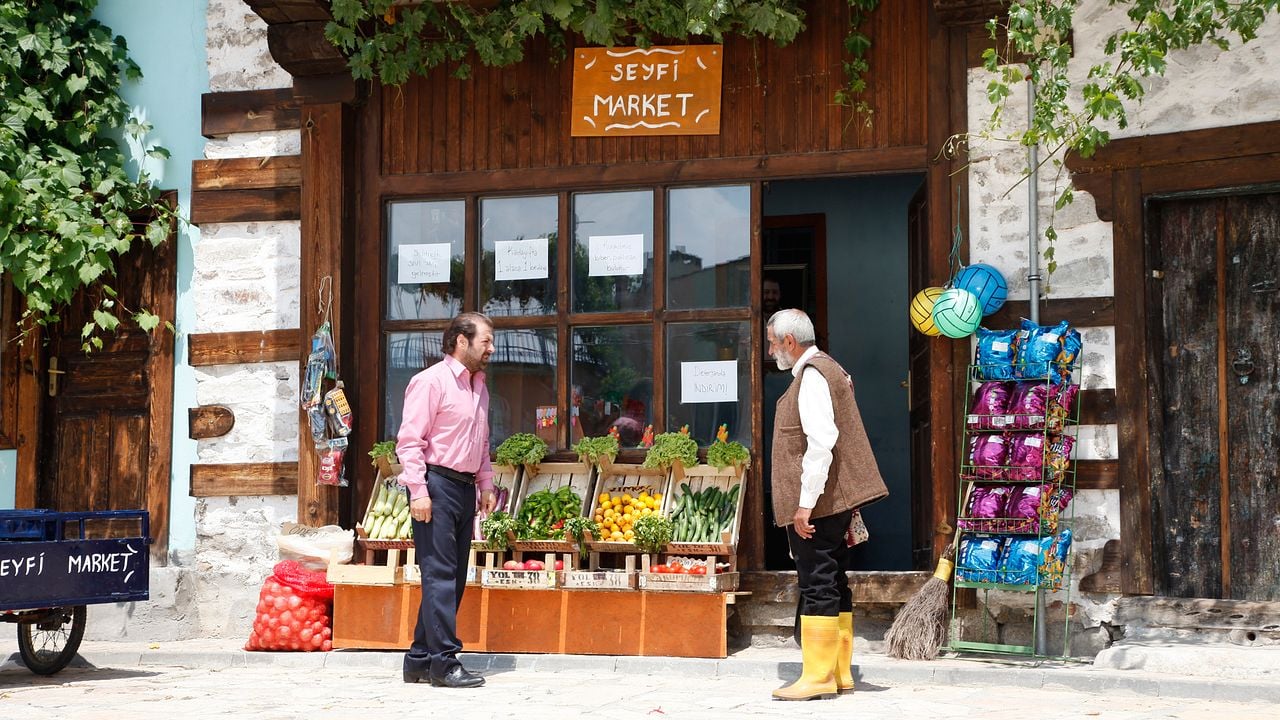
{"type": "Point", "coordinates": [920, 629]}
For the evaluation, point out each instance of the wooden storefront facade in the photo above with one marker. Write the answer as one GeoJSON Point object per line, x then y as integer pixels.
{"type": "Point", "coordinates": [505, 134]}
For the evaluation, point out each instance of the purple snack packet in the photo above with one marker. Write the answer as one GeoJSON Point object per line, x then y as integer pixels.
{"type": "Point", "coordinates": [988, 454]}
{"type": "Point", "coordinates": [1029, 403]}
{"type": "Point", "coordinates": [1026, 457]}
{"type": "Point", "coordinates": [990, 404]}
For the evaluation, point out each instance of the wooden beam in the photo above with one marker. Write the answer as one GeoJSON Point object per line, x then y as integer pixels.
{"type": "Point", "coordinates": [325, 255]}
{"type": "Point", "coordinates": [1097, 474]}
{"type": "Point", "coordinates": [209, 421]}
{"type": "Point", "coordinates": [1222, 143]}
{"type": "Point", "coordinates": [224, 113]}
{"type": "Point", "coordinates": [254, 346]}
{"type": "Point", "coordinates": [763, 167]}
{"type": "Point", "coordinates": [220, 206]}
{"type": "Point", "coordinates": [968, 12]}
{"type": "Point", "coordinates": [287, 11]}
{"type": "Point", "coordinates": [241, 479]}
{"type": "Point", "coordinates": [1080, 312]}
{"type": "Point", "coordinates": [251, 173]}
{"type": "Point", "coordinates": [301, 49]}
{"type": "Point", "coordinates": [1097, 407]}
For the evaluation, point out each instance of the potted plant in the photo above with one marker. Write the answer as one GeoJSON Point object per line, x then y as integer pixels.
{"type": "Point", "coordinates": [384, 458]}
{"type": "Point", "coordinates": [521, 449]}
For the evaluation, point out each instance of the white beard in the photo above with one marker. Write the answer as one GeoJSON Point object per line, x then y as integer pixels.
{"type": "Point", "coordinates": [783, 360]}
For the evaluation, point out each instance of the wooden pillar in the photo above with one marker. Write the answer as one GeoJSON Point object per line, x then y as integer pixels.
{"type": "Point", "coordinates": [327, 140]}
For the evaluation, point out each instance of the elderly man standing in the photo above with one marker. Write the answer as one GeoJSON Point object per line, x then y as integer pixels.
{"type": "Point", "coordinates": [443, 446]}
{"type": "Point", "coordinates": [823, 469]}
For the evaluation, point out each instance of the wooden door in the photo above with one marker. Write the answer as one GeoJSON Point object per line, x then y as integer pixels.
{"type": "Point", "coordinates": [922, 530]}
{"type": "Point", "coordinates": [106, 421]}
{"type": "Point", "coordinates": [1214, 297]}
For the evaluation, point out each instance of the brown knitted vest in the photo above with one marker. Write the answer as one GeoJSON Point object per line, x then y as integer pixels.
{"type": "Point", "coordinates": [854, 478]}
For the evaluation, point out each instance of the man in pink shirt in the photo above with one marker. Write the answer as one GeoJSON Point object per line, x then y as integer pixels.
{"type": "Point", "coordinates": [443, 446]}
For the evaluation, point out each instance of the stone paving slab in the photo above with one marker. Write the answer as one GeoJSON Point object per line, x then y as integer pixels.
{"type": "Point", "coordinates": [769, 665]}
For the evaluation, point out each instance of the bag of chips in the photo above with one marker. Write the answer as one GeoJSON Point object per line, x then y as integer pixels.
{"type": "Point", "coordinates": [978, 558]}
{"type": "Point", "coordinates": [1046, 350]}
{"type": "Point", "coordinates": [987, 455]}
{"type": "Point", "coordinates": [990, 407]}
{"type": "Point", "coordinates": [995, 354]}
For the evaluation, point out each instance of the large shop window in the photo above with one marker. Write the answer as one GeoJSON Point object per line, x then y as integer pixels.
{"type": "Point", "coordinates": [581, 332]}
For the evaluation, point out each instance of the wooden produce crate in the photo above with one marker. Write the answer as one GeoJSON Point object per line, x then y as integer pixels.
{"type": "Point", "coordinates": [553, 476]}
{"type": "Point", "coordinates": [507, 476]}
{"type": "Point", "coordinates": [388, 572]}
{"type": "Point", "coordinates": [362, 533]}
{"type": "Point", "coordinates": [697, 479]}
{"type": "Point", "coordinates": [665, 582]}
{"type": "Point", "coordinates": [624, 479]}
{"type": "Point", "coordinates": [597, 579]}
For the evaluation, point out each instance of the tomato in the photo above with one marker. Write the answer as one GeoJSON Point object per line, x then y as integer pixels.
{"type": "Point", "coordinates": [559, 564]}
{"type": "Point", "coordinates": [682, 570]}
{"type": "Point", "coordinates": [675, 566]}
{"type": "Point", "coordinates": [700, 570]}
{"type": "Point", "coordinates": [655, 568]}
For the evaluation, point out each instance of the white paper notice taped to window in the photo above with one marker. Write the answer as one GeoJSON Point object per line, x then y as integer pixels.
{"type": "Point", "coordinates": [709, 382]}
{"type": "Point", "coordinates": [615, 255]}
{"type": "Point", "coordinates": [520, 259]}
{"type": "Point", "coordinates": [424, 264]}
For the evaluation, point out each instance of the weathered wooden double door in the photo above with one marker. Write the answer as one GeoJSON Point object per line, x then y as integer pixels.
{"type": "Point", "coordinates": [1214, 319]}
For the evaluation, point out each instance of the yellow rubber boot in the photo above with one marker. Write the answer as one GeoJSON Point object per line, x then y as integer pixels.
{"type": "Point", "coordinates": [844, 655]}
{"type": "Point", "coordinates": [820, 639]}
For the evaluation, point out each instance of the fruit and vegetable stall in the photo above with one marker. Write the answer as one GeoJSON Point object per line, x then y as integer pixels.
{"type": "Point", "coordinates": [602, 554]}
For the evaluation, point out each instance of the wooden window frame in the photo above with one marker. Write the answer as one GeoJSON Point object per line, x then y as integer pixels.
{"type": "Point", "coordinates": [565, 320]}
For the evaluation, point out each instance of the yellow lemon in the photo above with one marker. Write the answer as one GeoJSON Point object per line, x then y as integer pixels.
{"type": "Point", "coordinates": [599, 518]}
{"type": "Point", "coordinates": [644, 495]}
{"type": "Point", "coordinates": [627, 517]}
{"type": "Point", "coordinates": [616, 535]}
{"type": "Point", "coordinates": [629, 535]}
{"type": "Point", "coordinates": [604, 497]}
{"type": "Point", "coordinates": [626, 497]}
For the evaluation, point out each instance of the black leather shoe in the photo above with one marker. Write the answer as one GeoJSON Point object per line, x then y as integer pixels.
{"type": "Point", "coordinates": [417, 676]}
{"type": "Point", "coordinates": [458, 677]}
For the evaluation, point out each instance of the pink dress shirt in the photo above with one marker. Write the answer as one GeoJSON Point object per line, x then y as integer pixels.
{"type": "Point", "coordinates": [446, 422]}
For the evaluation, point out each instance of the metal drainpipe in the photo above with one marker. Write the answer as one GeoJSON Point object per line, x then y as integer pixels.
{"type": "Point", "coordinates": [1033, 283]}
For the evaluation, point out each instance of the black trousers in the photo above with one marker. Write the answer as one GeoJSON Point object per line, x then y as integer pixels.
{"type": "Point", "coordinates": [443, 546]}
{"type": "Point", "coordinates": [820, 563]}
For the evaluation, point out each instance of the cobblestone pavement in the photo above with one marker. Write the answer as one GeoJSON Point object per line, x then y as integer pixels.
{"type": "Point", "coordinates": [307, 691]}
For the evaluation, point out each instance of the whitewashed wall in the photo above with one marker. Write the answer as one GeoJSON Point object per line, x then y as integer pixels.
{"type": "Point", "coordinates": [246, 278]}
{"type": "Point", "coordinates": [1202, 88]}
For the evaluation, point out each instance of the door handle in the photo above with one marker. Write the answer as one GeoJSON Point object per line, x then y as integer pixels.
{"type": "Point", "coordinates": [54, 372]}
{"type": "Point", "coordinates": [1243, 365]}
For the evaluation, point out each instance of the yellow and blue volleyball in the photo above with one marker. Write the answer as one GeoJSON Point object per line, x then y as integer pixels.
{"type": "Point", "coordinates": [921, 311]}
{"type": "Point", "coordinates": [986, 283]}
{"type": "Point", "coordinates": [957, 313]}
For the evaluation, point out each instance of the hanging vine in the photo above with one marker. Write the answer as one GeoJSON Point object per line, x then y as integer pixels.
{"type": "Point", "coordinates": [65, 197]}
{"type": "Point", "coordinates": [1070, 115]}
{"type": "Point", "coordinates": [394, 40]}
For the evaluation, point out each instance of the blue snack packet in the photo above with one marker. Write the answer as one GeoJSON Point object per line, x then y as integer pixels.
{"type": "Point", "coordinates": [995, 354]}
{"type": "Point", "coordinates": [1042, 349]}
{"type": "Point", "coordinates": [1020, 562]}
{"type": "Point", "coordinates": [978, 558]}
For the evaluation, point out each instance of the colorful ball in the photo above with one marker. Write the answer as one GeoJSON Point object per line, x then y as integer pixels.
{"type": "Point", "coordinates": [986, 282]}
{"type": "Point", "coordinates": [922, 311]}
{"type": "Point", "coordinates": [957, 313]}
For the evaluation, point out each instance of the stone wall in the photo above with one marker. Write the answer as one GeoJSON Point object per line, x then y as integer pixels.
{"type": "Point", "coordinates": [246, 278]}
{"type": "Point", "coordinates": [1202, 88]}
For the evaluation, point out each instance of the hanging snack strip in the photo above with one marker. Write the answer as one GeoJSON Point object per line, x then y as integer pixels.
{"type": "Point", "coordinates": [328, 413]}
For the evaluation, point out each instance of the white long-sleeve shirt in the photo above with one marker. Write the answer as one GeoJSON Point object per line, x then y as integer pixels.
{"type": "Point", "coordinates": [818, 420]}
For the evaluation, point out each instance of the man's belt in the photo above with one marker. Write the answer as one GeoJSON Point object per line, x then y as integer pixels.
{"type": "Point", "coordinates": [462, 477]}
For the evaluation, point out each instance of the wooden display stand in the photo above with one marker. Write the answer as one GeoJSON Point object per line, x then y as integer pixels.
{"type": "Point", "coordinates": [590, 622]}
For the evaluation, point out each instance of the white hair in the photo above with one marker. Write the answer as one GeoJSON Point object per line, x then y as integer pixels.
{"type": "Point", "coordinates": [792, 322]}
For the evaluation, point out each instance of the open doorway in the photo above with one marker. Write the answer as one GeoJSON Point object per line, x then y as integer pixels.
{"type": "Point", "coordinates": [838, 249]}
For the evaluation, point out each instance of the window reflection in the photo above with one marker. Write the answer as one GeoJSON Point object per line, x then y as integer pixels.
{"type": "Point", "coordinates": [709, 241]}
{"type": "Point", "coordinates": [425, 259]}
{"type": "Point", "coordinates": [518, 265]}
{"type": "Point", "coordinates": [613, 251]}
{"type": "Point", "coordinates": [611, 382]}
{"type": "Point", "coordinates": [708, 344]}
{"type": "Point", "coordinates": [521, 378]}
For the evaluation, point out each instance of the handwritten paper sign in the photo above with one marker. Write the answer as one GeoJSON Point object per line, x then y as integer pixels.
{"type": "Point", "coordinates": [709, 382]}
{"type": "Point", "coordinates": [671, 90]}
{"type": "Point", "coordinates": [520, 259]}
{"type": "Point", "coordinates": [423, 264]}
{"type": "Point", "coordinates": [615, 255]}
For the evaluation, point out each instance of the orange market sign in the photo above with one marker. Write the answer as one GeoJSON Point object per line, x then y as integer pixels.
{"type": "Point", "coordinates": [627, 92]}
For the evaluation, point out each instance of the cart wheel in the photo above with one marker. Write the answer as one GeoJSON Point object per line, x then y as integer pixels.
{"type": "Point", "coordinates": [47, 646]}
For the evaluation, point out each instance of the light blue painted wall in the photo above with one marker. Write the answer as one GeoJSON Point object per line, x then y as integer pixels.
{"type": "Point", "coordinates": [166, 39]}
{"type": "Point", "coordinates": [867, 329]}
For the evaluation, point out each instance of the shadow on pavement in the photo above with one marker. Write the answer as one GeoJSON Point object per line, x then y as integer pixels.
{"type": "Point", "coordinates": [13, 673]}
